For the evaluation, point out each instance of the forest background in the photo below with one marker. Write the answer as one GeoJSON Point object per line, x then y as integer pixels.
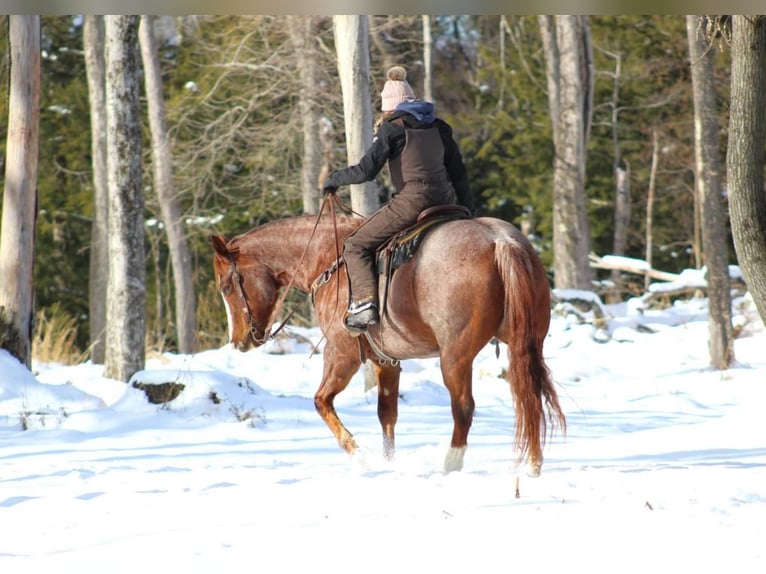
{"type": "Point", "coordinates": [231, 89]}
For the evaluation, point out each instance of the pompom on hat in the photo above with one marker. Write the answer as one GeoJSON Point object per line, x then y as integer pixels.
{"type": "Point", "coordinates": [396, 90]}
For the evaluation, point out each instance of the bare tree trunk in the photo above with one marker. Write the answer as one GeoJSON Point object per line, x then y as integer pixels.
{"type": "Point", "coordinates": [428, 65]}
{"type": "Point", "coordinates": [126, 294]}
{"type": "Point", "coordinates": [744, 160]}
{"type": "Point", "coordinates": [503, 29]}
{"type": "Point", "coordinates": [621, 207]}
{"type": "Point", "coordinates": [93, 43]}
{"type": "Point", "coordinates": [552, 65]}
{"type": "Point", "coordinates": [17, 236]}
{"type": "Point", "coordinates": [650, 205]}
{"type": "Point", "coordinates": [621, 172]}
{"type": "Point", "coordinates": [709, 188]}
{"type": "Point", "coordinates": [302, 32]}
{"type": "Point", "coordinates": [352, 45]}
{"type": "Point", "coordinates": [566, 42]}
{"type": "Point", "coordinates": [180, 256]}
{"type": "Point", "coordinates": [153, 241]}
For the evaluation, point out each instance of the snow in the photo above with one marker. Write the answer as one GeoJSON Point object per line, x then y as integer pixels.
{"type": "Point", "coordinates": [691, 279]}
{"type": "Point", "coordinates": [578, 294]}
{"type": "Point", "coordinates": [663, 467]}
{"type": "Point", "coordinates": [619, 261]}
{"type": "Point", "coordinates": [688, 279]}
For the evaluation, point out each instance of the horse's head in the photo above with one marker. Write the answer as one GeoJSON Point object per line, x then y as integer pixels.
{"type": "Point", "coordinates": [249, 292]}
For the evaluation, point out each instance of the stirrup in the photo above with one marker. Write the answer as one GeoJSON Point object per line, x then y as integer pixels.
{"type": "Point", "coordinates": [360, 316]}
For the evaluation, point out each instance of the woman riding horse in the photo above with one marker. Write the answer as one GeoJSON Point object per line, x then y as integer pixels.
{"type": "Point", "coordinates": [426, 168]}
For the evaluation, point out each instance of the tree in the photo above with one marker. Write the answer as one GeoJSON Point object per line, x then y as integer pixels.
{"type": "Point", "coordinates": [232, 106]}
{"type": "Point", "coordinates": [93, 44]}
{"type": "Point", "coordinates": [709, 191]}
{"type": "Point", "coordinates": [569, 61]}
{"type": "Point", "coordinates": [352, 46]}
{"type": "Point", "coordinates": [20, 196]}
{"type": "Point", "coordinates": [126, 295]}
{"type": "Point", "coordinates": [650, 193]}
{"type": "Point", "coordinates": [744, 158]}
{"type": "Point", "coordinates": [428, 67]}
{"type": "Point", "coordinates": [162, 161]}
{"type": "Point", "coordinates": [620, 168]}
{"type": "Point", "coordinates": [302, 34]}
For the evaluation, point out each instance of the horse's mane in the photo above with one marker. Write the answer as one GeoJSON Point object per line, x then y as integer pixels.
{"type": "Point", "coordinates": [289, 226]}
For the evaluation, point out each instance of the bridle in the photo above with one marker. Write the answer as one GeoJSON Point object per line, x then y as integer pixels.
{"type": "Point", "coordinates": [236, 278]}
{"type": "Point", "coordinates": [236, 281]}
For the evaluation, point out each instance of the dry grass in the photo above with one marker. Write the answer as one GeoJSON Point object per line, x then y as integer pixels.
{"type": "Point", "coordinates": [212, 331]}
{"type": "Point", "coordinates": [55, 338]}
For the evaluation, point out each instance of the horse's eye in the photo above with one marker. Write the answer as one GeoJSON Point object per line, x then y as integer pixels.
{"type": "Point", "coordinates": [226, 289]}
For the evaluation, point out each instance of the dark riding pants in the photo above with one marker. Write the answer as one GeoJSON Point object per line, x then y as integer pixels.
{"type": "Point", "coordinates": [397, 215]}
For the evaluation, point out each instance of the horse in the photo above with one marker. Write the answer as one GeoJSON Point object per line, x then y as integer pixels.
{"type": "Point", "coordinates": [470, 282]}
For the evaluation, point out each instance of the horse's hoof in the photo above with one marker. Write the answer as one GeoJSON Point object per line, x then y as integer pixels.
{"type": "Point", "coordinates": [454, 459]}
{"type": "Point", "coordinates": [349, 445]}
{"type": "Point", "coordinates": [388, 449]}
{"type": "Point", "coordinates": [534, 468]}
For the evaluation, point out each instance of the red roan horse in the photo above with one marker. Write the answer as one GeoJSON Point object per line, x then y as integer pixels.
{"type": "Point", "coordinates": [470, 281]}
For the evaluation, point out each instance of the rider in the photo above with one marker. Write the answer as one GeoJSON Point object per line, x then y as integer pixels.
{"type": "Point", "coordinates": [426, 169]}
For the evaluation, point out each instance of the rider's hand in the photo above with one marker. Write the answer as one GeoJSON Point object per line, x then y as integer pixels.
{"type": "Point", "coordinates": [328, 188]}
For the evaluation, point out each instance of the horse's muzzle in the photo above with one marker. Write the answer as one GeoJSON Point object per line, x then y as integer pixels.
{"type": "Point", "coordinates": [255, 338]}
{"type": "Point", "coordinates": [242, 346]}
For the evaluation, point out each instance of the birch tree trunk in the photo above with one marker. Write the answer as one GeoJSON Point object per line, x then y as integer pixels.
{"type": "Point", "coordinates": [744, 160]}
{"type": "Point", "coordinates": [17, 234]}
{"type": "Point", "coordinates": [568, 56]}
{"type": "Point", "coordinates": [352, 46]}
{"type": "Point", "coordinates": [162, 159]}
{"type": "Point", "coordinates": [126, 293]}
{"type": "Point", "coordinates": [650, 206]}
{"type": "Point", "coordinates": [93, 44]}
{"type": "Point", "coordinates": [709, 190]}
{"type": "Point", "coordinates": [302, 32]}
{"type": "Point", "coordinates": [621, 208]}
{"type": "Point", "coordinates": [428, 65]}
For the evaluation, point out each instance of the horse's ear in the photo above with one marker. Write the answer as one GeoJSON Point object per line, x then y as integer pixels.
{"type": "Point", "coordinates": [219, 244]}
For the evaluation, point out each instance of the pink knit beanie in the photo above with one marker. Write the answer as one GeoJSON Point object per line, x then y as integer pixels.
{"type": "Point", "coordinates": [396, 90]}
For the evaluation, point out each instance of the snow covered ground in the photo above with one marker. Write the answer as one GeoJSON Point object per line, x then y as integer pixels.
{"type": "Point", "coordinates": [663, 468]}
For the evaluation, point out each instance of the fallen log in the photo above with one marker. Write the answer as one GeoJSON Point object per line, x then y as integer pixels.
{"type": "Point", "coordinates": [629, 265]}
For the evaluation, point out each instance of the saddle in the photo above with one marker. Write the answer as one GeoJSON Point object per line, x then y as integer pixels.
{"type": "Point", "coordinates": [402, 247]}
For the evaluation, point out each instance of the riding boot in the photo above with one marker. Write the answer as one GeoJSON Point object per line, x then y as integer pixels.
{"type": "Point", "coordinates": [361, 315]}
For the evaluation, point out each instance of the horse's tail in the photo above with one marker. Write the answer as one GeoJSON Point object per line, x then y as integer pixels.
{"type": "Point", "coordinates": [526, 322]}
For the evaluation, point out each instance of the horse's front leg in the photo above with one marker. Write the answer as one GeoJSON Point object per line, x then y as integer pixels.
{"type": "Point", "coordinates": [388, 403]}
{"type": "Point", "coordinates": [337, 372]}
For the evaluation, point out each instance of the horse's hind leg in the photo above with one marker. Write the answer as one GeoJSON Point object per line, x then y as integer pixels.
{"type": "Point", "coordinates": [388, 403]}
{"type": "Point", "coordinates": [456, 371]}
